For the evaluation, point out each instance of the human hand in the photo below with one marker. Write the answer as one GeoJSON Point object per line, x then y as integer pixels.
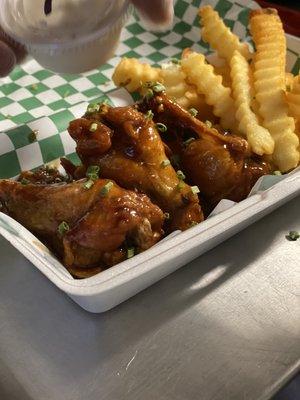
{"type": "Point", "coordinates": [157, 15]}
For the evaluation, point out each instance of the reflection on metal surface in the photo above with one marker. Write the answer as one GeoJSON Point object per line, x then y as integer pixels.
{"type": "Point", "coordinates": [210, 277]}
{"type": "Point", "coordinates": [131, 360]}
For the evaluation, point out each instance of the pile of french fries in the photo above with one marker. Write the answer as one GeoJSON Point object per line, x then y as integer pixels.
{"type": "Point", "coordinates": [247, 93]}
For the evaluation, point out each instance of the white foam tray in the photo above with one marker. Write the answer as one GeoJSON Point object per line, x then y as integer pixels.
{"type": "Point", "coordinates": [111, 287]}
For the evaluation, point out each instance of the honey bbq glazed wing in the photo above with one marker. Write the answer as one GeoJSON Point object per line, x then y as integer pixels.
{"type": "Point", "coordinates": [90, 228]}
{"type": "Point", "coordinates": [126, 146]}
{"type": "Point", "coordinates": [219, 163]}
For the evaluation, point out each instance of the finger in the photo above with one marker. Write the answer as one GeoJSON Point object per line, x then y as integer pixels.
{"type": "Point", "coordinates": [156, 14]}
{"type": "Point", "coordinates": [8, 59]}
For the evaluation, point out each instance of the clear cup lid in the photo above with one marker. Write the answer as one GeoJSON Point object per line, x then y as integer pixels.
{"type": "Point", "coordinates": [56, 21]}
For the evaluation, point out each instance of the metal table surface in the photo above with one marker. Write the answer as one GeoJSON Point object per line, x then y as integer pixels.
{"type": "Point", "coordinates": [226, 326]}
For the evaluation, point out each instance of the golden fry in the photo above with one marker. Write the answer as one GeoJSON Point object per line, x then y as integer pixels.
{"type": "Point", "coordinates": [132, 74]}
{"type": "Point", "coordinates": [293, 98]}
{"type": "Point", "coordinates": [174, 80]}
{"type": "Point", "coordinates": [176, 87]}
{"type": "Point", "coordinates": [208, 83]}
{"type": "Point", "coordinates": [269, 82]}
{"type": "Point", "coordinates": [219, 36]}
{"type": "Point", "coordinates": [258, 137]}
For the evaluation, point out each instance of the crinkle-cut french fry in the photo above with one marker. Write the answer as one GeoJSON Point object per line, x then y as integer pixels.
{"type": "Point", "coordinates": [293, 98]}
{"type": "Point", "coordinates": [186, 95]}
{"type": "Point", "coordinates": [176, 86]}
{"type": "Point", "coordinates": [254, 103]}
{"type": "Point", "coordinates": [258, 137]}
{"type": "Point", "coordinates": [269, 82]}
{"type": "Point", "coordinates": [132, 74]}
{"type": "Point", "coordinates": [208, 83]}
{"type": "Point", "coordinates": [219, 36]}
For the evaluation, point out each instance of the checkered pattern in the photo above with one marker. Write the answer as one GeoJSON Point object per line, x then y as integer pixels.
{"type": "Point", "coordinates": [32, 92]}
{"type": "Point", "coordinates": [45, 139]}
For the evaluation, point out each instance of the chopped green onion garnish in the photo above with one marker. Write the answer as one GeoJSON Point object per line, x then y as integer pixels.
{"type": "Point", "coordinates": [93, 127]}
{"type": "Point", "coordinates": [130, 252]}
{"type": "Point", "coordinates": [158, 87]}
{"type": "Point", "coordinates": [93, 172]}
{"type": "Point", "coordinates": [92, 177]}
{"type": "Point", "coordinates": [161, 127]}
{"type": "Point", "coordinates": [88, 184]}
{"type": "Point", "coordinates": [180, 175]}
{"type": "Point", "coordinates": [32, 136]}
{"type": "Point", "coordinates": [193, 223]}
{"type": "Point", "coordinates": [195, 189]}
{"type": "Point", "coordinates": [149, 94]}
{"type": "Point", "coordinates": [293, 236]}
{"type": "Point", "coordinates": [175, 60]}
{"type": "Point", "coordinates": [155, 86]}
{"type": "Point", "coordinates": [288, 88]}
{"type": "Point", "coordinates": [278, 173]}
{"type": "Point", "coordinates": [165, 163]}
{"type": "Point", "coordinates": [180, 185]}
{"type": "Point", "coordinates": [149, 114]}
{"type": "Point", "coordinates": [93, 107]}
{"type": "Point", "coordinates": [24, 181]}
{"type": "Point", "coordinates": [63, 227]}
{"type": "Point", "coordinates": [193, 112]}
{"type": "Point", "coordinates": [167, 215]}
{"type": "Point", "coordinates": [208, 124]}
{"type": "Point", "coordinates": [106, 188]}
{"type": "Point", "coordinates": [190, 140]}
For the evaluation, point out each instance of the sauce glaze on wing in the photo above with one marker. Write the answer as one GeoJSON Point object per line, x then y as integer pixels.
{"type": "Point", "coordinates": [220, 164]}
{"type": "Point", "coordinates": [101, 223]}
{"type": "Point", "coordinates": [127, 147]}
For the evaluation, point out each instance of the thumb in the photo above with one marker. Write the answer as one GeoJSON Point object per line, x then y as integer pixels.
{"type": "Point", "coordinates": [156, 14]}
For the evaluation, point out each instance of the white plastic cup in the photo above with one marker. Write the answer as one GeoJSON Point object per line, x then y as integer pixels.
{"type": "Point", "coordinates": [75, 49]}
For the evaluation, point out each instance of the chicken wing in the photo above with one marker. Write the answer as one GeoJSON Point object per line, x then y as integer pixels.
{"type": "Point", "coordinates": [127, 147]}
{"type": "Point", "coordinates": [218, 162]}
{"type": "Point", "coordinates": [89, 227]}
{"type": "Point", "coordinates": [44, 175]}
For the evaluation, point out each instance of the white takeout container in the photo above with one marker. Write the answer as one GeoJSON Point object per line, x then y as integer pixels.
{"type": "Point", "coordinates": [113, 286]}
{"type": "Point", "coordinates": [69, 55]}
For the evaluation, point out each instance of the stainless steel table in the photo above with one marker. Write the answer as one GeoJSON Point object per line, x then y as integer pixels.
{"type": "Point", "coordinates": [226, 326]}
